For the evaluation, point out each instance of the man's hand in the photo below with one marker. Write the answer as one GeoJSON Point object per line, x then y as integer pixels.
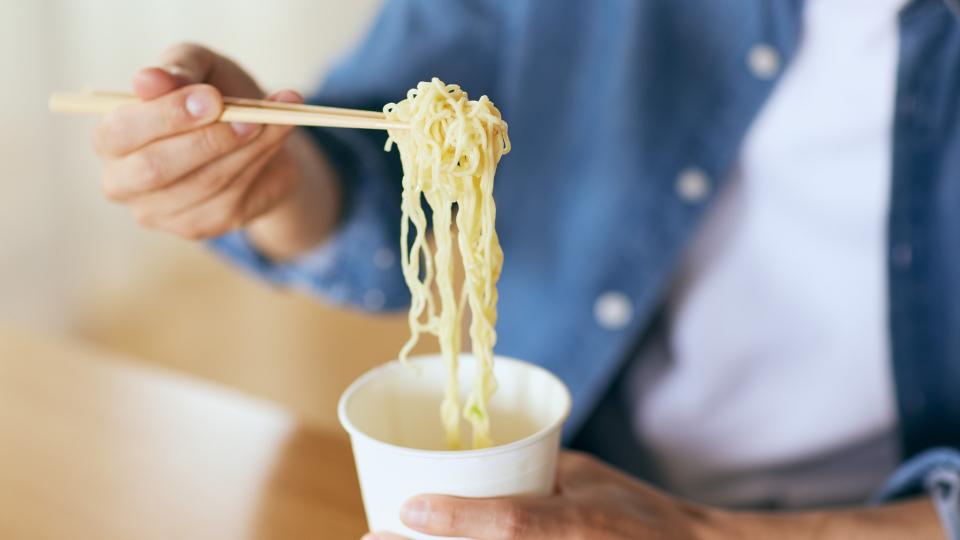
{"type": "Point", "coordinates": [177, 169]}
{"type": "Point", "coordinates": [596, 502]}
{"type": "Point", "coordinates": [593, 501]}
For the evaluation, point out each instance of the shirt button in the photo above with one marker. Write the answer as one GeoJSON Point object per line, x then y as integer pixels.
{"type": "Point", "coordinates": [909, 105]}
{"type": "Point", "coordinates": [383, 258]}
{"type": "Point", "coordinates": [374, 299]}
{"type": "Point", "coordinates": [902, 255]}
{"type": "Point", "coordinates": [337, 293]}
{"type": "Point", "coordinates": [612, 310]}
{"type": "Point", "coordinates": [692, 185]}
{"type": "Point", "coordinates": [763, 61]}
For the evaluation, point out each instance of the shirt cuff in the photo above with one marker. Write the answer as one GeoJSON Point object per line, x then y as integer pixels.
{"type": "Point", "coordinates": [359, 264]}
{"type": "Point", "coordinates": [321, 271]}
{"type": "Point", "coordinates": [937, 472]}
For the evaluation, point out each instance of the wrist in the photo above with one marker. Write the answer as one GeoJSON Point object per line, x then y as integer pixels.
{"type": "Point", "coordinates": [915, 517]}
{"type": "Point", "coordinates": [710, 523]}
{"type": "Point", "coordinates": [308, 212]}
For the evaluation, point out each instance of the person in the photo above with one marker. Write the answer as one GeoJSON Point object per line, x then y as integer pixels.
{"type": "Point", "coordinates": [730, 227]}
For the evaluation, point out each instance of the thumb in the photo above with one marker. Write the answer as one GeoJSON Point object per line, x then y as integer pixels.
{"type": "Point", "coordinates": [286, 96]}
{"type": "Point", "coordinates": [181, 65]}
{"type": "Point", "coordinates": [152, 82]}
{"type": "Point", "coordinates": [189, 63]}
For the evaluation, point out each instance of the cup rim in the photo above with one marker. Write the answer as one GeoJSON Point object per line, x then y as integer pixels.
{"type": "Point", "coordinates": [536, 436]}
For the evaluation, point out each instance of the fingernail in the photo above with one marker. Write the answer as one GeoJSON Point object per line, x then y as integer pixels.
{"type": "Point", "coordinates": [287, 96]}
{"type": "Point", "coordinates": [200, 104]}
{"type": "Point", "coordinates": [242, 129]}
{"type": "Point", "coordinates": [415, 512]}
{"type": "Point", "coordinates": [176, 71]}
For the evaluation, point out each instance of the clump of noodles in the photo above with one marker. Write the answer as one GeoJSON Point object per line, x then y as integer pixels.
{"type": "Point", "coordinates": [449, 155]}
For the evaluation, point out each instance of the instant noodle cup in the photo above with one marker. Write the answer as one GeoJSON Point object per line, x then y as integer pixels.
{"type": "Point", "coordinates": [392, 414]}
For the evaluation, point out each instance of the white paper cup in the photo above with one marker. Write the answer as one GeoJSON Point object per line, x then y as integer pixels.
{"type": "Point", "coordinates": [392, 414]}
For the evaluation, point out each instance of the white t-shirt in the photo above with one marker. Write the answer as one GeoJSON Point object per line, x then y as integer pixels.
{"type": "Point", "coordinates": [772, 380]}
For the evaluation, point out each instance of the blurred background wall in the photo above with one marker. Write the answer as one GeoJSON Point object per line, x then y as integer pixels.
{"type": "Point", "coordinates": [72, 263]}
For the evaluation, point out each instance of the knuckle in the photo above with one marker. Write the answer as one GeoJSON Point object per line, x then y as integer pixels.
{"type": "Point", "coordinates": [590, 517]}
{"type": "Point", "coordinates": [111, 190]}
{"type": "Point", "coordinates": [173, 113]}
{"type": "Point", "coordinates": [183, 49]}
{"type": "Point", "coordinates": [231, 217]}
{"type": "Point", "coordinates": [188, 231]}
{"type": "Point", "coordinates": [455, 520]}
{"type": "Point", "coordinates": [198, 235]}
{"type": "Point", "coordinates": [213, 140]}
{"type": "Point", "coordinates": [219, 228]}
{"type": "Point", "coordinates": [597, 518]}
{"type": "Point", "coordinates": [609, 491]}
{"type": "Point", "coordinates": [225, 222]}
{"type": "Point", "coordinates": [513, 522]}
{"type": "Point", "coordinates": [211, 183]}
{"type": "Point", "coordinates": [147, 170]}
{"type": "Point", "coordinates": [107, 130]}
{"type": "Point", "coordinates": [271, 136]}
{"type": "Point", "coordinates": [204, 227]}
{"type": "Point", "coordinates": [112, 184]}
{"type": "Point", "coordinates": [285, 167]}
{"type": "Point", "coordinates": [577, 460]}
{"type": "Point", "coordinates": [276, 187]}
{"type": "Point", "coordinates": [145, 217]}
{"type": "Point", "coordinates": [97, 139]}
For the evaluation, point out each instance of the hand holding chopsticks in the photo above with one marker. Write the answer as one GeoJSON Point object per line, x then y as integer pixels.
{"type": "Point", "coordinates": [236, 110]}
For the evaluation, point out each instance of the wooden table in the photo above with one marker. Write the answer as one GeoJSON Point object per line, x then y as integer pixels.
{"type": "Point", "coordinates": [95, 447]}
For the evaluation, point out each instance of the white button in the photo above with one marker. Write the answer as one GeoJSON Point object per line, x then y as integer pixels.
{"type": "Point", "coordinates": [692, 185]}
{"type": "Point", "coordinates": [763, 61]}
{"type": "Point", "coordinates": [902, 255]}
{"type": "Point", "coordinates": [383, 258]}
{"type": "Point", "coordinates": [374, 299]}
{"type": "Point", "coordinates": [337, 293]}
{"type": "Point", "coordinates": [613, 310]}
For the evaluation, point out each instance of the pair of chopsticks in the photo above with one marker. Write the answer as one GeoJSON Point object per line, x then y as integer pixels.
{"type": "Point", "coordinates": [254, 111]}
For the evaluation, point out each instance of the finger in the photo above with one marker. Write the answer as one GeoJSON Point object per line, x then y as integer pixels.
{"type": "Point", "coordinates": [130, 127]}
{"type": "Point", "coordinates": [153, 82]}
{"type": "Point", "coordinates": [189, 62]}
{"type": "Point", "coordinates": [483, 519]}
{"type": "Point", "coordinates": [182, 64]}
{"type": "Point", "coordinates": [163, 162]}
{"type": "Point", "coordinates": [383, 535]}
{"type": "Point", "coordinates": [212, 178]}
{"type": "Point", "coordinates": [579, 469]}
{"type": "Point", "coordinates": [575, 469]}
{"type": "Point", "coordinates": [205, 183]}
{"type": "Point", "coordinates": [284, 96]}
{"type": "Point", "coordinates": [224, 212]}
{"type": "Point", "coordinates": [262, 196]}
{"type": "Point", "coordinates": [192, 63]}
{"type": "Point", "coordinates": [279, 176]}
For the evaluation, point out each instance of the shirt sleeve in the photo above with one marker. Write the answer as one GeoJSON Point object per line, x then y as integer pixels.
{"type": "Point", "coordinates": [410, 41]}
{"type": "Point", "coordinates": [936, 472]}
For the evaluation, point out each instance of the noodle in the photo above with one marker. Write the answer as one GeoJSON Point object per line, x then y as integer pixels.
{"type": "Point", "coordinates": [449, 156]}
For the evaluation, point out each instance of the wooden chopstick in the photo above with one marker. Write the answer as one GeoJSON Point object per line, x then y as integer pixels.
{"type": "Point", "coordinates": [262, 103]}
{"type": "Point", "coordinates": [236, 110]}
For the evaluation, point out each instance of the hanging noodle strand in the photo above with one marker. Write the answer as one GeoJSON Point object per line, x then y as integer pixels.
{"type": "Point", "coordinates": [449, 156]}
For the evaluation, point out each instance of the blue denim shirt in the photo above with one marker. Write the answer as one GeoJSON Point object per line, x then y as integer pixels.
{"type": "Point", "coordinates": [610, 103]}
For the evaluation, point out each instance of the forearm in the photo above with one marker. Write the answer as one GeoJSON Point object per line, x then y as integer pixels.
{"type": "Point", "coordinates": [915, 519]}
{"type": "Point", "coordinates": [309, 213]}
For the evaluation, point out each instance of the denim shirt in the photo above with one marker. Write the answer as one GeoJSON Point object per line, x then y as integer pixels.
{"type": "Point", "coordinates": [613, 106]}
